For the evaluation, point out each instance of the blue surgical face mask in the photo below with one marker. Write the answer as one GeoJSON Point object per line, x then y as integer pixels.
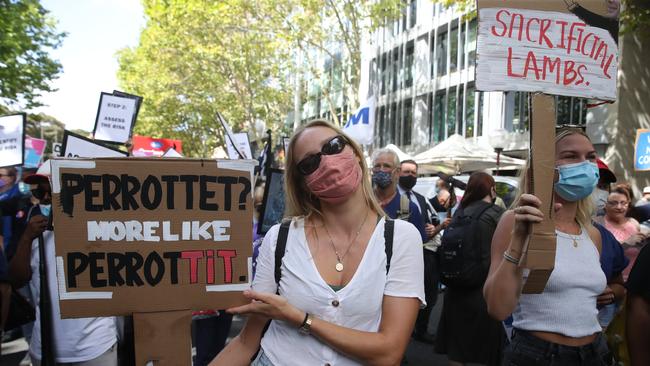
{"type": "Point", "coordinates": [576, 181]}
{"type": "Point", "coordinates": [382, 179]}
{"type": "Point", "coordinates": [45, 210]}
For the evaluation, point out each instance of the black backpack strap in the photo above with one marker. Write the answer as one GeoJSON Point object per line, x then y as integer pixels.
{"type": "Point", "coordinates": [389, 230]}
{"type": "Point", "coordinates": [280, 248]}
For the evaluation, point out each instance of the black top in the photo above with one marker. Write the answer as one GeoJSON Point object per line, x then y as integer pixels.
{"type": "Point", "coordinates": [638, 283]}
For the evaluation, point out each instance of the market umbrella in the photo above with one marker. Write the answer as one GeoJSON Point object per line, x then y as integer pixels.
{"type": "Point", "coordinates": [458, 155]}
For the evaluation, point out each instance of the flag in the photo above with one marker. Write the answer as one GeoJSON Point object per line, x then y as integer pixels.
{"type": "Point", "coordinates": [361, 124]}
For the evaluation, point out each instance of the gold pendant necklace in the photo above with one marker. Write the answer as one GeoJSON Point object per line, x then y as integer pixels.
{"type": "Point", "coordinates": [339, 259]}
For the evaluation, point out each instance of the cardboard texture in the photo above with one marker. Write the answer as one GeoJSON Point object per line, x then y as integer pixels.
{"type": "Point", "coordinates": [163, 338]}
{"type": "Point", "coordinates": [555, 46]}
{"type": "Point", "coordinates": [147, 235]}
{"type": "Point", "coordinates": [540, 252]}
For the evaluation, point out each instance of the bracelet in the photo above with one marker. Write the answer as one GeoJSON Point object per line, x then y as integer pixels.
{"type": "Point", "coordinates": [305, 327]}
{"type": "Point", "coordinates": [511, 259]}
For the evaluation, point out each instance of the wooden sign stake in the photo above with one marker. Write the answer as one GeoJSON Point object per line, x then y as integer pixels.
{"type": "Point", "coordinates": [163, 338]}
{"type": "Point", "coordinates": [540, 250]}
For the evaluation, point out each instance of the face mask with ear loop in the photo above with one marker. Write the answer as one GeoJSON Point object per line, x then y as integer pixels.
{"type": "Point", "coordinates": [576, 181]}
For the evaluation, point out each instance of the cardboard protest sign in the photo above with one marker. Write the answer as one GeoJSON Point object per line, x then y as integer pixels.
{"type": "Point", "coordinates": [115, 118]}
{"type": "Point", "coordinates": [273, 201]}
{"type": "Point", "coordinates": [12, 139]}
{"type": "Point", "coordinates": [243, 146]}
{"type": "Point", "coordinates": [77, 146]}
{"type": "Point", "coordinates": [554, 46]}
{"type": "Point", "coordinates": [642, 150]}
{"type": "Point", "coordinates": [539, 252]}
{"type": "Point", "coordinates": [148, 235]}
{"type": "Point", "coordinates": [34, 149]}
{"type": "Point", "coordinates": [361, 124]}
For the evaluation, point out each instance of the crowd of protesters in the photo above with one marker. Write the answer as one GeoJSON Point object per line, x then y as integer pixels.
{"type": "Point", "coordinates": [355, 269]}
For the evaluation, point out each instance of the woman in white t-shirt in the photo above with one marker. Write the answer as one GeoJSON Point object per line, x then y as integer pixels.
{"type": "Point", "coordinates": [338, 303]}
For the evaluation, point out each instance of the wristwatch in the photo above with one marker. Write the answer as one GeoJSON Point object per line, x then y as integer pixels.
{"type": "Point", "coordinates": [305, 328]}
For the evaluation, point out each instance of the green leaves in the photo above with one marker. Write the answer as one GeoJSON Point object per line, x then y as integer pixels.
{"type": "Point", "coordinates": [196, 58]}
{"type": "Point", "coordinates": [27, 33]}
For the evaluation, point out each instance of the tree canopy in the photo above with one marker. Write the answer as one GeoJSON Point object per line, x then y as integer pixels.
{"type": "Point", "coordinates": [197, 58]}
{"type": "Point", "coordinates": [27, 34]}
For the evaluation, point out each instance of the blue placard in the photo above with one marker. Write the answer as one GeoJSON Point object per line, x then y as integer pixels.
{"type": "Point", "coordinates": [642, 150]}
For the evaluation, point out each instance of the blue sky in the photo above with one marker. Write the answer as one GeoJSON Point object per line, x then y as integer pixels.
{"type": "Point", "coordinates": [96, 29]}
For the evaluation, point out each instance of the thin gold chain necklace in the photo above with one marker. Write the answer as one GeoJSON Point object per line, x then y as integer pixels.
{"type": "Point", "coordinates": [339, 258]}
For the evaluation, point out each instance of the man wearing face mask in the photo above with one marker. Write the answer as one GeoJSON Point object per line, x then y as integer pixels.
{"type": "Point", "coordinates": [83, 341]}
{"type": "Point", "coordinates": [407, 180]}
{"type": "Point", "coordinates": [385, 172]}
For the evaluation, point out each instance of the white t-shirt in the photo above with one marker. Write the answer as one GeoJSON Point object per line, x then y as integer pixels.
{"type": "Point", "coordinates": [76, 340]}
{"type": "Point", "coordinates": [357, 305]}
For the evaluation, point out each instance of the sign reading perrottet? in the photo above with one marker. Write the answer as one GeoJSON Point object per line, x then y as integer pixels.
{"type": "Point", "coordinates": [571, 51]}
{"type": "Point", "coordinates": [142, 235]}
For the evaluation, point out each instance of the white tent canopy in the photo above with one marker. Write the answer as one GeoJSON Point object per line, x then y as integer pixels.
{"type": "Point", "coordinates": [400, 154]}
{"type": "Point", "coordinates": [458, 155]}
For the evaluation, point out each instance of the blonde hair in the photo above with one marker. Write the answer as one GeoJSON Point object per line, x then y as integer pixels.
{"type": "Point", "coordinates": [585, 206]}
{"type": "Point", "coordinates": [299, 200]}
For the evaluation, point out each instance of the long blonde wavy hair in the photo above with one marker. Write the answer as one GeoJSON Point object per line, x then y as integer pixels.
{"type": "Point", "coordinates": [299, 200]}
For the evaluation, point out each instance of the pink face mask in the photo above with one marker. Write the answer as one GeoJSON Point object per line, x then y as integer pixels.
{"type": "Point", "coordinates": [336, 178]}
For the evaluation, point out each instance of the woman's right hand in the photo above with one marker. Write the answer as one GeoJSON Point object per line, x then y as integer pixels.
{"type": "Point", "coordinates": [526, 213]}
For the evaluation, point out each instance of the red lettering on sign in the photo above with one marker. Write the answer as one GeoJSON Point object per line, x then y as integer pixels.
{"type": "Point", "coordinates": [498, 19]}
{"type": "Point", "coordinates": [510, 72]}
{"type": "Point", "coordinates": [227, 256]}
{"type": "Point", "coordinates": [193, 256]}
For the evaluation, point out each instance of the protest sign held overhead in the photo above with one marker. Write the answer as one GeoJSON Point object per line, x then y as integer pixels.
{"type": "Point", "coordinates": [230, 138]}
{"type": "Point", "coordinates": [361, 125]}
{"type": "Point", "coordinates": [243, 146]}
{"type": "Point", "coordinates": [642, 150]}
{"type": "Point", "coordinates": [34, 149]}
{"type": "Point", "coordinates": [115, 118]}
{"type": "Point", "coordinates": [148, 235]}
{"type": "Point", "coordinates": [150, 146]}
{"type": "Point", "coordinates": [77, 146]}
{"type": "Point", "coordinates": [12, 139]}
{"type": "Point", "coordinates": [556, 47]}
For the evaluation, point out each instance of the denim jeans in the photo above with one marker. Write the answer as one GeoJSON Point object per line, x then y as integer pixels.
{"type": "Point", "coordinates": [527, 350]}
{"type": "Point", "coordinates": [261, 360]}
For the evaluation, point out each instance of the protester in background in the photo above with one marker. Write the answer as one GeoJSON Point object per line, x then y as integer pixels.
{"type": "Point", "coordinates": [625, 229]}
{"type": "Point", "coordinates": [560, 325]}
{"type": "Point", "coordinates": [466, 332]}
{"type": "Point", "coordinates": [332, 307]}
{"type": "Point", "coordinates": [612, 262]}
{"type": "Point", "coordinates": [645, 199]}
{"type": "Point", "coordinates": [83, 341]}
{"type": "Point", "coordinates": [13, 205]}
{"type": "Point", "coordinates": [385, 173]}
{"type": "Point", "coordinates": [407, 180]}
{"type": "Point", "coordinates": [442, 202]}
{"type": "Point", "coordinates": [601, 192]}
{"type": "Point", "coordinates": [5, 289]}
{"type": "Point", "coordinates": [638, 310]}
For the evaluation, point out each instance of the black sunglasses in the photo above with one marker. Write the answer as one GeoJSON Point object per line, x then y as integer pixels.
{"type": "Point", "coordinates": [310, 163]}
{"type": "Point", "coordinates": [39, 193]}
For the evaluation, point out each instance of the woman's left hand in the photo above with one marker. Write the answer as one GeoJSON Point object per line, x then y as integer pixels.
{"type": "Point", "coordinates": [607, 297]}
{"type": "Point", "coordinates": [271, 306]}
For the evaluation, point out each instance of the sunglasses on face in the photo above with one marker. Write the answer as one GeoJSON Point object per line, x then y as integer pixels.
{"type": "Point", "coordinates": [310, 163]}
{"type": "Point", "coordinates": [39, 193]}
